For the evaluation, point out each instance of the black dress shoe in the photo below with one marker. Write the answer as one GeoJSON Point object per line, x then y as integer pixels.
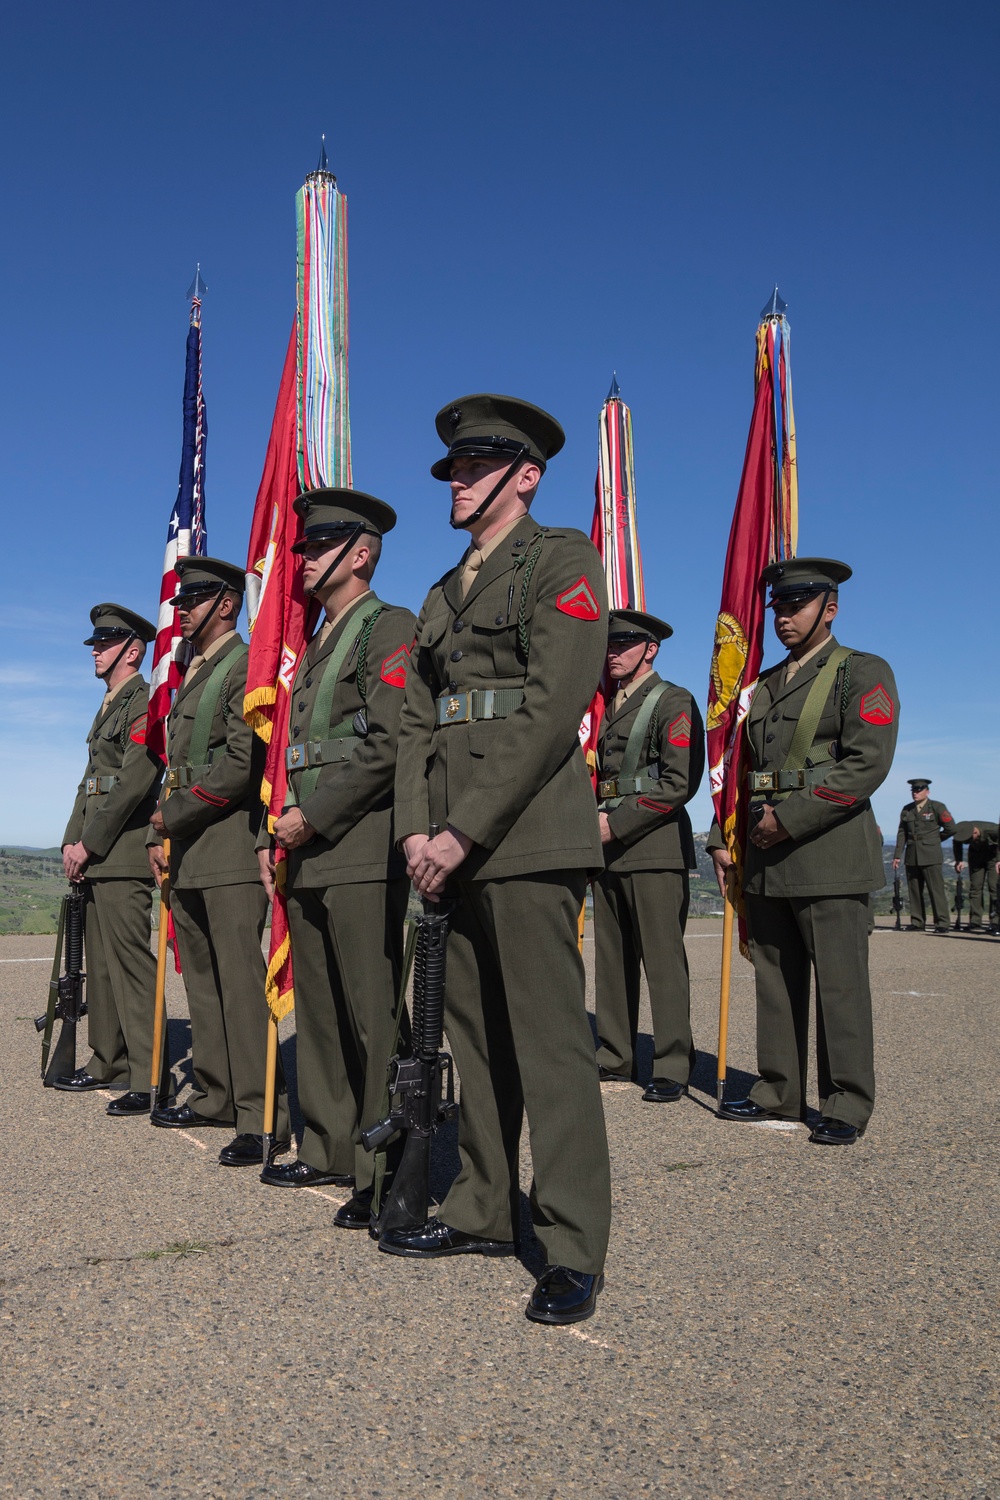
{"type": "Point", "coordinates": [607, 1076]}
{"type": "Point", "coordinates": [246, 1150]}
{"type": "Point", "coordinates": [301, 1174]}
{"type": "Point", "coordinates": [129, 1104]}
{"type": "Point", "coordinates": [564, 1296]}
{"type": "Point", "coordinates": [941, 931]}
{"type": "Point", "coordinates": [183, 1117]}
{"type": "Point", "coordinates": [434, 1239]}
{"type": "Point", "coordinates": [744, 1109]}
{"type": "Point", "coordinates": [79, 1082]}
{"type": "Point", "coordinates": [834, 1133]}
{"type": "Point", "coordinates": [356, 1213]}
{"type": "Point", "coordinates": [663, 1091]}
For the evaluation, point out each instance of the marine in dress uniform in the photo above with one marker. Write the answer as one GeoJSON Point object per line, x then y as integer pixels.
{"type": "Point", "coordinates": [820, 735]}
{"type": "Point", "coordinates": [923, 827]}
{"type": "Point", "coordinates": [346, 881]}
{"type": "Point", "coordinates": [979, 840]}
{"type": "Point", "coordinates": [211, 811]}
{"type": "Point", "coordinates": [509, 650]}
{"type": "Point", "coordinates": [104, 845]}
{"type": "Point", "coordinates": [651, 757]}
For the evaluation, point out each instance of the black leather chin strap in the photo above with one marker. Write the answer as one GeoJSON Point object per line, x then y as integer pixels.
{"type": "Point", "coordinates": [357, 532]}
{"type": "Point", "coordinates": [192, 638]}
{"type": "Point", "coordinates": [822, 611]}
{"type": "Point", "coordinates": [103, 676]}
{"type": "Point", "coordinates": [518, 458]}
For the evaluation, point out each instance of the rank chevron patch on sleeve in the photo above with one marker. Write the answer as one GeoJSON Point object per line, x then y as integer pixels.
{"type": "Point", "coordinates": [679, 732]}
{"type": "Point", "coordinates": [394, 667]}
{"type": "Point", "coordinates": [578, 600]}
{"type": "Point", "coordinates": [877, 707]}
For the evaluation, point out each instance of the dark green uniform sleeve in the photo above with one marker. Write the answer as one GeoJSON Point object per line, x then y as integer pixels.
{"type": "Point", "coordinates": [345, 793]}
{"type": "Point", "coordinates": [867, 745]}
{"type": "Point", "coordinates": [681, 754]}
{"type": "Point", "coordinates": [715, 839]}
{"type": "Point", "coordinates": [190, 810]}
{"type": "Point", "coordinates": [946, 823]}
{"type": "Point", "coordinates": [415, 735]}
{"type": "Point", "coordinates": [139, 774]}
{"type": "Point", "coordinates": [565, 661]}
{"type": "Point", "coordinates": [900, 841]}
{"type": "Point", "coordinates": [74, 828]}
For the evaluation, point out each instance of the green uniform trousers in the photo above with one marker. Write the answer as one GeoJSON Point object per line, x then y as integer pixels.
{"type": "Point", "coordinates": [982, 880]}
{"type": "Point", "coordinates": [791, 935]}
{"type": "Point", "coordinates": [347, 949]}
{"type": "Point", "coordinates": [639, 917]}
{"type": "Point", "coordinates": [516, 1020]}
{"type": "Point", "coordinates": [121, 981]}
{"type": "Point", "coordinates": [219, 933]}
{"type": "Point", "coordinates": [930, 878]}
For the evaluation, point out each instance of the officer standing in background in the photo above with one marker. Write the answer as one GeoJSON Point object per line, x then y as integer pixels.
{"type": "Point", "coordinates": [346, 882]}
{"type": "Point", "coordinates": [651, 756]}
{"type": "Point", "coordinates": [509, 650]}
{"type": "Point", "coordinates": [980, 838]}
{"type": "Point", "coordinates": [923, 827]}
{"type": "Point", "coordinates": [212, 816]}
{"type": "Point", "coordinates": [820, 736]}
{"type": "Point", "coordinates": [104, 845]}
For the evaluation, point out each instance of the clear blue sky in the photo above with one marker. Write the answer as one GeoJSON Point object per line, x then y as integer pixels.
{"type": "Point", "coordinates": [539, 194]}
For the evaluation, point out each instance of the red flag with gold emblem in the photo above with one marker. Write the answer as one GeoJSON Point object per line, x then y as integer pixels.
{"type": "Point", "coordinates": [763, 531]}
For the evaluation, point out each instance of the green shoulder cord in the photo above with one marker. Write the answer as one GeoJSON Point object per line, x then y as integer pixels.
{"type": "Point", "coordinates": [319, 720]}
{"type": "Point", "coordinates": [363, 639]}
{"type": "Point", "coordinates": [528, 564]}
{"type": "Point", "coordinates": [812, 711]}
{"type": "Point", "coordinates": [123, 732]}
{"type": "Point", "coordinates": [208, 703]}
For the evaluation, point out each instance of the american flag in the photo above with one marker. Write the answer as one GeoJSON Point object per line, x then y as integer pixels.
{"type": "Point", "coordinates": [186, 535]}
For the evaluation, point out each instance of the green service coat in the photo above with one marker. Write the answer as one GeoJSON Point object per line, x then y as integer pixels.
{"type": "Point", "coordinates": [213, 825]}
{"type": "Point", "coordinates": [922, 831]}
{"type": "Point", "coordinates": [113, 825]}
{"type": "Point", "coordinates": [981, 851]}
{"type": "Point", "coordinates": [834, 848]}
{"type": "Point", "coordinates": [518, 787]}
{"type": "Point", "coordinates": [351, 806]}
{"type": "Point", "coordinates": [652, 829]}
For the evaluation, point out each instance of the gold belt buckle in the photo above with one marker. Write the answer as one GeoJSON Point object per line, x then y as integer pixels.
{"type": "Point", "coordinates": [93, 785]}
{"type": "Point", "coordinates": [607, 788]}
{"type": "Point", "coordinates": [453, 708]}
{"type": "Point", "coordinates": [174, 778]}
{"type": "Point", "coordinates": [294, 755]}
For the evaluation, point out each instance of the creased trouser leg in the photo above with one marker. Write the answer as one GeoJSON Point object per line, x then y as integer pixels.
{"type": "Point", "coordinates": [108, 1061]}
{"type": "Point", "coordinates": [123, 909]}
{"type": "Point", "coordinates": [517, 1023]}
{"type": "Point", "coordinates": [781, 976]}
{"type": "Point", "coordinates": [659, 904]}
{"type": "Point", "coordinates": [616, 976]}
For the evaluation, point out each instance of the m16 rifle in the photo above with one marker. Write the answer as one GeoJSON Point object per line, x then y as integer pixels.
{"type": "Point", "coordinates": [66, 995]}
{"type": "Point", "coordinates": [897, 900]}
{"type": "Point", "coordinates": [959, 902]}
{"type": "Point", "coordinates": [421, 1085]}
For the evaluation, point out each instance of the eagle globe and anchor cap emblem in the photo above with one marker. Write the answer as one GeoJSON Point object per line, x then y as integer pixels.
{"type": "Point", "coordinates": [452, 708]}
{"type": "Point", "coordinates": [729, 659]}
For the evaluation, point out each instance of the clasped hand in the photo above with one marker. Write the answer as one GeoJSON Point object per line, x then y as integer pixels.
{"type": "Point", "coordinates": [768, 831]}
{"type": "Point", "coordinates": [429, 862]}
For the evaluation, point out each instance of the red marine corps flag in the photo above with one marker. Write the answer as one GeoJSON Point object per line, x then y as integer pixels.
{"type": "Point", "coordinates": [764, 530]}
{"type": "Point", "coordinates": [309, 447]}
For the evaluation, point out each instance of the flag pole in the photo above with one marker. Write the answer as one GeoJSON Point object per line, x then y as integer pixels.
{"type": "Point", "coordinates": [724, 988]}
{"type": "Point", "coordinates": [270, 1087]}
{"type": "Point", "coordinates": [160, 1055]}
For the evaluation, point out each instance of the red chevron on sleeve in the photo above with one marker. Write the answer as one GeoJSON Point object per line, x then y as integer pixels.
{"type": "Point", "coordinates": [842, 799]}
{"type": "Point", "coordinates": [394, 667]}
{"type": "Point", "coordinates": [877, 707]}
{"type": "Point", "coordinates": [679, 732]}
{"type": "Point", "coordinates": [579, 601]}
{"type": "Point", "coordinates": [137, 732]}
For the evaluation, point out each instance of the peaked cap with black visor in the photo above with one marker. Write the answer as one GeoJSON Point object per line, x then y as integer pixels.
{"type": "Point", "coordinates": [113, 622]}
{"type": "Point", "coordinates": [488, 426]}
{"type": "Point", "coordinates": [799, 579]}
{"type": "Point", "coordinates": [206, 577]}
{"type": "Point", "coordinates": [340, 515]}
{"type": "Point", "coordinates": [637, 625]}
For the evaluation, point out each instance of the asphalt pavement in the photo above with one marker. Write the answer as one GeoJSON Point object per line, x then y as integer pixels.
{"type": "Point", "coordinates": [779, 1318]}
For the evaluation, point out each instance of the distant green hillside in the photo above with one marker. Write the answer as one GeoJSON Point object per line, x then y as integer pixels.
{"type": "Point", "coordinates": [31, 886]}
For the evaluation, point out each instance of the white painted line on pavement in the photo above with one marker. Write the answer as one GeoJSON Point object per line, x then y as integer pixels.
{"type": "Point", "coordinates": [193, 1139]}
{"type": "Point", "coordinates": [25, 960]}
{"type": "Point", "coordinates": [328, 1196]}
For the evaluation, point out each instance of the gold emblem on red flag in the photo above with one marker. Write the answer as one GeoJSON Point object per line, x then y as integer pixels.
{"type": "Point", "coordinates": [729, 659]}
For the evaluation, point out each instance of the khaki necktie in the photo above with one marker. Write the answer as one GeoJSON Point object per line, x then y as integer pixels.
{"type": "Point", "coordinates": [470, 568]}
{"type": "Point", "coordinates": [791, 667]}
{"type": "Point", "coordinates": [192, 667]}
